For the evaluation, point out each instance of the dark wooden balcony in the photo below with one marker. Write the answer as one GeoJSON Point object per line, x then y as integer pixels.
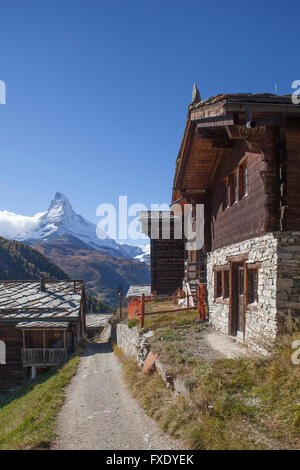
{"type": "Point", "coordinates": [41, 357]}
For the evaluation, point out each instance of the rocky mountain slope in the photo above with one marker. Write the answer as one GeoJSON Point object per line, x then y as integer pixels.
{"type": "Point", "coordinates": [80, 248]}
{"type": "Point", "coordinates": [101, 272]}
{"type": "Point", "coordinates": [60, 219]}
{"type": "Point", "coordinates": [22, 262]}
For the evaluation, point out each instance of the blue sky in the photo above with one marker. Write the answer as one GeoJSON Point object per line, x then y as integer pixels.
{"type": "Point", "coordinates": [97, 91]}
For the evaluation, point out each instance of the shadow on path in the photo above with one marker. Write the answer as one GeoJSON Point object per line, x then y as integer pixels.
{"type": "Point", "coordinates": [97, 348]}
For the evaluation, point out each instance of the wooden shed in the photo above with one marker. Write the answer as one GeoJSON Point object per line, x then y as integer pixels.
{"type": "Point", "coordinates": [41, 322]}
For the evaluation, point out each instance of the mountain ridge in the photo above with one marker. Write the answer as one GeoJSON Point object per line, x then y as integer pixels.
{"type": "Point", "coordinates": [58, 220]}
{"type": "Point", "coordinates": [70, 241]}
{"type": "Point", "coordinates": [22, 262]}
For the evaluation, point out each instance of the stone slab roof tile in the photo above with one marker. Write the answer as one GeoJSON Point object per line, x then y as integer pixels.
{"type": "Point", "coordinates": [24, 299]}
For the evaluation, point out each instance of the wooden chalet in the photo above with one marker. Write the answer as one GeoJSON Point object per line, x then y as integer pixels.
{"type": "Point", "coordinates": [95, 324]}
{"type": "Point", "coordinates": [166, 251]}
{"type": "Point", "coordinates": [41, 322]}
{"type": "Point", "coordinates": [240, 159]}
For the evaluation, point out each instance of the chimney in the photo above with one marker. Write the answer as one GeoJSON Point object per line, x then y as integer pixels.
{"type": "Point", "coordinates": [43, 284]}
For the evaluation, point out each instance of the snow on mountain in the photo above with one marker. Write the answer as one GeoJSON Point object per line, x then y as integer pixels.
{"type": "Point", "coordinates": [144, 257]}
{"type": "Point", "coordinates": [18, 227]}
{"type": "Point", "coordinates": [60, 219]}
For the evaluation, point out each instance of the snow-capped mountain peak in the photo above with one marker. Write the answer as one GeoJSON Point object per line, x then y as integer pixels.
{"type": "Point", "coordinates": [60, 219]}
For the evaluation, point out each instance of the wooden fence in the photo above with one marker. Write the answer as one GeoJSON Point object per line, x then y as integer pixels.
{"type": "Point", "coordinates": [137, 306]}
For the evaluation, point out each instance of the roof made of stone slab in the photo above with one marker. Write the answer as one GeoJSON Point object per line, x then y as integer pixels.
{"type": "Point", "coordinates": [97, 320]}
{"type": "Point", "coordinates": [24, 300]}
{"type": "Point", "coordinates": [42, 325]}
{"type": "Point", "coordinates": [138, 290]}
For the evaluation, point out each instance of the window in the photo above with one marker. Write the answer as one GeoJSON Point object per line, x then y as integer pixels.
{"type": "Point", "coordinates": [235, 187]}
{"type": "Point", "coordinates": [222, 283]}
{"type": "Point", "coordinates": [241, 281]}
{"type": "Point", "coordinates": [226, 193]}
{"type": "Point", "coordinates": [219, 284]}
{"type": "Point", "coordinates": [243, 180]}
{"type": "Point", "coordinates": [252, 285]}
{"type": "Point", "coordinates": [226, 284]}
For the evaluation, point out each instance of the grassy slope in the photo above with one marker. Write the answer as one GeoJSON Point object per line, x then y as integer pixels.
{"type": "Point", "coordinates": [236, 403]}
{"type": "Point", "coordinates": [27, 417]}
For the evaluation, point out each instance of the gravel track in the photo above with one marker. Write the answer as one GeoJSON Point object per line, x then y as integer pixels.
{"type": "Point", "coordinates": [99, 413]}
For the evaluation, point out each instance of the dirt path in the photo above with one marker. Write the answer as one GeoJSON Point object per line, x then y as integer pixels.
{"type": "Point", "coordinates": [99, 412]}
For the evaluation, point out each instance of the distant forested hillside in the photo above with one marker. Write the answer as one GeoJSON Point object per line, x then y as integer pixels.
{"type": "Point", "coordinates": [102, 273]}
{"type": "Point", "coordinates": [21, 262]}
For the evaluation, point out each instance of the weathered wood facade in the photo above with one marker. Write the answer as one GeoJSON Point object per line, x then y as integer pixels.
{"type": "Point", "coordinates": [240, 157]}
{"type": "Point", "coordinates": [40, 323]}
{"type": "Point", "coordinates": [167, 252]}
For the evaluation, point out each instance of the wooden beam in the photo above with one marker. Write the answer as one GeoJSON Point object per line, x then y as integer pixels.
{"type": "Point", "coordinates": [219, 121]}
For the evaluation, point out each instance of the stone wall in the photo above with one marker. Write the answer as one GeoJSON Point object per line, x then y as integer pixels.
{"type": "Point", "coordinates": [260, 317]}
{"type": "Point", "coordinates": [133, 342]}
{"type": "Point", "coordinates": [288, 277]}
{"type": "Point", "coordinates": [278, 286]}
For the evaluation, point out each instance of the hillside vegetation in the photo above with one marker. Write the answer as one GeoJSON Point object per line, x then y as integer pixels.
{"type": "Point", "coordinates": [28, 416]}
{"type": "Point", "coordinates": [101, 272]}
{"type": "Point", "coordinates": [21, 262]}
{"type": "Point", "coordinates": [241, 403]}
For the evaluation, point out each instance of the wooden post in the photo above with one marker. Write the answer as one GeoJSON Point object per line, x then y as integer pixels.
{"type": "Point", "coordinates": [120, 292]}
{"type": "Point", "coordinates": [44, 339]}
{"type": "Point", "coordinates": [121, 307]}
{"type": "Point", "coordinates": [143, 312]}
{"type": "Point", "coordinates": [65, 339]}
{"type": "Point", "coordinates": [201, 302]}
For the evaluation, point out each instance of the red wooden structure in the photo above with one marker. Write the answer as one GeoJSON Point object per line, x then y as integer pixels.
{"type": "Point", "coordinates": [136, 306]}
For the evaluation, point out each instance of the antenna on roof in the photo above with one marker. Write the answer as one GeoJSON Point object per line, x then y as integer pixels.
{"type": "Point", "coordinates": [276, 88]}
{"type": "Point", "coordinates": [196, 98]}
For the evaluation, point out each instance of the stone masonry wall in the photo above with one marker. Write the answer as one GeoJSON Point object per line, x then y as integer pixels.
{"type": "Point", "coordinates": [288, 277]}
{"type": "Point", "coordinates": [261, 317]}
{"type": "Point", "coordinates": [278, 286]}
{"type": "Point", "coordinates": [133, 342]}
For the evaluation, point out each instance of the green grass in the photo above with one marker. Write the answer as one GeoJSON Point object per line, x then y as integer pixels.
{"type": "Point", "coordinates": [27, 417]}
{"type": "Point", "coordinates": [235, 403]}
{"type": "Point", "coordinates": [164, 319]}
{"type": "Point", "coordinates": [132, 323]}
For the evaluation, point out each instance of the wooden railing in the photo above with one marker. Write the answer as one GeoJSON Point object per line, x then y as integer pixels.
{"type": "Point", "coordinates": [43, 357]}
{"type": "Point", "coordinates": [137, 307]}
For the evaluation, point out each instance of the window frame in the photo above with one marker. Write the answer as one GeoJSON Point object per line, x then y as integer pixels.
{"type": "Point", "coordinates": [234, 187]}
{"type": "Point", "coordinates": [243, 187]}
{"type": "Point", "coordinates": [251, 299]}
{"type": "Point", "coordinates": [219, 283]}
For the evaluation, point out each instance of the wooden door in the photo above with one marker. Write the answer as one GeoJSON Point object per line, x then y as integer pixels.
{"type": "Point", "coordinates": [240, 302]}
{"type": "Point", "coordinates": [237, 287]}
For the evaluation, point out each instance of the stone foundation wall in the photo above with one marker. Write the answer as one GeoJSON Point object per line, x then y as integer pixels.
{"type": "Point", "coordinates": [288, 277]}
{"type": "Point", "coordinates": [278, 286]}
{"type": "Point", "coordinates": [132, 342]}
{"type": "Point", "coordinates": [261, 317]}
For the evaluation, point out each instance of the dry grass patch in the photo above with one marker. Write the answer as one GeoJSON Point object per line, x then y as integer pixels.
{"type": "Point", "coordinates": [153, 322]}
{"type": "Point", "coordinates": [235, 403]}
